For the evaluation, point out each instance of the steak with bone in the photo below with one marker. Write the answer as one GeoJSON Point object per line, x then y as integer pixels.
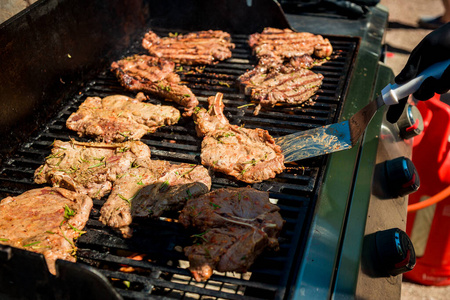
{"type": "Point", "coordinates": [287, 83]}
{"type": "Point", "coordinates": [275, 43]}
{"type": "Point", "coordinates": [151, 190]}
{"type": "Point", "coordinates": [203, 47]}
{"type": "Point", "coordinates": [250, 155]}
{"type": "Point", "coordinates": [118, 118]}
{"type": "Point", "coordinates": [45, 220]}
{"type": "Point", "coordinates": [155, 76]}
{"type": "Point", "coordinates": [90, 168]}
{"type": "Point", "coordinates": [236, 225]}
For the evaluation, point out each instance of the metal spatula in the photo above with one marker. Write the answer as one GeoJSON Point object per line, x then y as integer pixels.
{"type": "Point", "coordinates": [344, 135]}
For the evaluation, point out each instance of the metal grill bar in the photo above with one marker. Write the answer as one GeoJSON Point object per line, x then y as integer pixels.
{"type": "Point", "coordinates": [164, 274]}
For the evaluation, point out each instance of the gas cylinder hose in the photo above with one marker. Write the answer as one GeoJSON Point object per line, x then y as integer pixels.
{"type": "Point", "coordinates": [430, 201]}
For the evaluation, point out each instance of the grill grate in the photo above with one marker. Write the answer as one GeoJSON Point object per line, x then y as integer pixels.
{"type": "Point", "coordinates": [163, 271]}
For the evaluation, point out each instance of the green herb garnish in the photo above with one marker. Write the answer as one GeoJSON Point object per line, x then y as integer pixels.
{"type": "Point", "coordinates": [124, 149]}
{"type": "Point", "coordinates": [68, 212]}
{"type": "Point", "coordinates": [224, 83]}
{"type": "Point", "coordinates": [200, 236]}
{"type": "Point", "coordinates": [123, 198]}
{"type": "Point", "coordinates": [215, 206]}
{"type": "Point", "coordinates": [96, 165]}
{"type": "Point", "coordinates": [125, 133]}
{"type": "Point", "coordinates": [164, 186]}
{"type": "Point", "coordinates": [245, 105]}
{"type": "Point", "coordinates": [76, 229]}
{"type": "Point", "coordinates": [31, 244]}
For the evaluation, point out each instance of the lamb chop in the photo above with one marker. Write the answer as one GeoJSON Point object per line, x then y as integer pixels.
{"type": "Point", "coordinates": [274, 43]}
{"type": "Point", "coordinates": [90, 168]}
{"type": "Point", "coordinates": [45, 220]}
{"type": "Point", "coordinates": [203, 47]}
{"type": "Point", "coordinates": [237, 224]}
{"type": "Point", "coordinates": [151, 190]}
{"type": "Point", "coordinates": [250, 155]}
{"type": "Point", "coordinates": [287, 83]}
{"type": "Point", "coordinates": [118, 118]}
{"type": "Point", "coordinates": [155, 76]}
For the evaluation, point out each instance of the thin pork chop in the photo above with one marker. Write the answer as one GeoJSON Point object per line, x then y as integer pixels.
{"type": "Point", "coordinates": [46, 221]}
{"type": "Point", "coordinates": [155, 76]}
{"type": "Point", "coordinates": [118, 118]}
{"type": "Point", "coordinates": [250, 155]}
{"type": "Point", "coordinates": [236, 225]}
{"type": "Point", "coordinates": [287, 84]}
{"type": "Point", "coordinates": [90, 168]}
{"type": "Point", "coordinates": [285, 43]}
{"type": "Point", "coordinates": [151, 190]}
{"type": "Point", "coordinates": [203, 47]}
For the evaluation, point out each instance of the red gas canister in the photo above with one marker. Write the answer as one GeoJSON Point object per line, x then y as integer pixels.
{"type": "Point", "coordinates": [429, 228]}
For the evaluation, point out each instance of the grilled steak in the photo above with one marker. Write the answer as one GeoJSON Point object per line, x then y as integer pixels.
{"type": "Point", "coordinates": [46, 221]}
{"type": "Point", "coordinates": [203, 47]}
{"type": "Point", "coordinates": [286, 83]}
{"type": "Point", "coordinates": [275, 43]}
{"type": "Point", "coordinates": [237, 224]}
{"type": "Point", "coordinates": [90, 168]}
{"type": "Point", "coordinates": [118, 118]}
{"type": "Point", "coordinates": [250, 155]}
{"type": "Point", "coordinates": [151, 190]}
{"type": "Point", "coordinates": [294, 64]}
{"type": "Point", "coordinates": [155, 76]}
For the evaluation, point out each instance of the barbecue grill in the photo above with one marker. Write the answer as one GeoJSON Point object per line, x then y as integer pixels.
{"type": "Point", "coordinates": [57, 53]}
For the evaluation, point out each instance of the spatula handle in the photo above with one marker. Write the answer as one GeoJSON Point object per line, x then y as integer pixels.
{"type": "Point", "coordinates": [393, 92]}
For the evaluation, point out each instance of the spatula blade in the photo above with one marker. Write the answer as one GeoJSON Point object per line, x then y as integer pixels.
{"type": "Point", "coordinates": [330, 138]}
{"type": "Point", "coordinates": [315, 142]}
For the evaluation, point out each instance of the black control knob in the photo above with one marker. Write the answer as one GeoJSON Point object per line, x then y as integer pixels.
{"type": "Point", "coordinates": [410, 122]}
{"type": "Point", "coordinates": [395, 252]}
{"type": "Point", "coordinates": [401, 176]}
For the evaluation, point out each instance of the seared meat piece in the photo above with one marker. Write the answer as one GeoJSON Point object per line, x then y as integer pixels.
{"type": "Point", "coordinates": [250, 155]}
{"type": "Point", "coordinates": [118, 118]}
{"type": "Point", "coordinates": [46, 221]}
{"type": "Point", "coordinates": [151, 190]}
{"type": "Point", "coordinates": [144, 68]}
{"type": "Point", "coordinates": [275, 43]}
{"type": "Point", "coordinates": [90, 168]}
{"type": "Point", "coordinates": [284, 84]}
{"type": "Point", "coordinates": [208, 121]}
{"type": "Point", "coordinates": [285, 65]}
{"type": "Point", "coordinates": [155, 76]}
{"type": "Point", "coordinates": [203, 47]}
{"type": "Point", "coordinates": [237, 224]}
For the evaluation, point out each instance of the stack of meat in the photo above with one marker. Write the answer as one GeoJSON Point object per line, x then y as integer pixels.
{"type": "Point", "coordinates": [282, 74]}
{"type": "Point", "coordinates": [236, 225]}
{"type": "Point", "coordinates": [155, 73]}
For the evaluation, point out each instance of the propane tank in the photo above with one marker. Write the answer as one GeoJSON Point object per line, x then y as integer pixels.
{"type": "Point", "coordinates": [429, 228]}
